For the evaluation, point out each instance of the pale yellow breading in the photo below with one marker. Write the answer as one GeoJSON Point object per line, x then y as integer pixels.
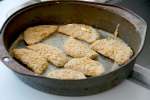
{"type": "Point", "coordinates": [80, 31]}
{"type": "Point", "coordinates": [51, 53]}
{"type": "Point", "coordinates": [86, 65]}
{"type": "Point", "coordinates": [66, 74]}
{"type": "Point", "coordinates": [113, 48]}
{"type": "Point", "coordinates": [32, 59]}
{"type": "Point", "coordinates": [35, 34]}
{"type": "Point", "coordinates": [77, 49]}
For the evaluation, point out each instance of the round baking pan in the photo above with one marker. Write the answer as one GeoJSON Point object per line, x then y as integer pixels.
{"type": "Point", "coordinates": [103, 16]}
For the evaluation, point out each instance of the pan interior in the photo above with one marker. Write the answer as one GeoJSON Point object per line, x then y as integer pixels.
{"type": "Point", "coordinates": [58, 39]}
{"type": "Point", "coordinates": [53, 13]}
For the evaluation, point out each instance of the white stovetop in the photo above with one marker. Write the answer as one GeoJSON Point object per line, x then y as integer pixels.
{"type": "Point", "coordinates": [11, 88]}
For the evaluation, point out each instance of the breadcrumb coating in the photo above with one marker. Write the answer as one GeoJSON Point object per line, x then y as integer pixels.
{"type": "Point", "coordinates": [32, 59]}
{"type": "Point", "coordinates": [80, 31]}
{"type": "Point", "coordinates": [36, 34]}
{"type": "Point", "coordinates": [66, 74]}
{"type": "Point", "coordinates": [85, 65]}
{"type": "Point", "coordinates": [77, 49]}
{"type": "Point", "coordinates": [51, 53]}
{"type": "Point", "coordinates": [113, 48]}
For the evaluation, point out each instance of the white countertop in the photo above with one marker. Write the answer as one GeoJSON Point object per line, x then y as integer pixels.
{"type": "Point", "coordinates": [11, 88]}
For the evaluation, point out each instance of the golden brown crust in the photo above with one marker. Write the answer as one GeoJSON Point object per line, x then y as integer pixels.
{"type": "Point", "coordinates": [66, 74]}
{"type": "Point", "coordinates": [51, 53]}
{"type": "Point", "coordinates": [113, 48]}
{"type": "Point", "coordinates": [77, 49]}
{"type": "Point", "coordinates": [32, 59]}
{"type": "Point", "coordinates": [80, 31]}
{"type": "Point", "coordinates": [35, 34]}
{"type": "Point", "coordinates": [85, 65]}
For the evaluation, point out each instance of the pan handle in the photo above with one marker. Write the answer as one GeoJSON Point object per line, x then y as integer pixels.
{"type": "Point", "coordinates": [3, 54]}
{"type": "Point", "coordinates": [6, 59]}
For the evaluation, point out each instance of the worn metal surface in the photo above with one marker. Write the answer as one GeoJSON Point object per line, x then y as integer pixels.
{"type": "Point", "coordinates": [26, 18]}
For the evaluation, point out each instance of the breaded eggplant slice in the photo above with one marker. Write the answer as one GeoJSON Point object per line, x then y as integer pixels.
{"type": "Point", "coordinates": [78, 49]}
{"type": "Point", "coordinates": [51, 53]}
{"type": "Point", "coordinates": [80, 31]}
{"type": "Point", "coordinates": [85, 65]}
{"type": "Point", "coordinates": [36, 34]}
{"type": "Point", "coordinates": [33, 60]}
{"type": "Point", "coordinates": [113, 48]}
{"type": "Point", "coordinates": [66, 74]}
